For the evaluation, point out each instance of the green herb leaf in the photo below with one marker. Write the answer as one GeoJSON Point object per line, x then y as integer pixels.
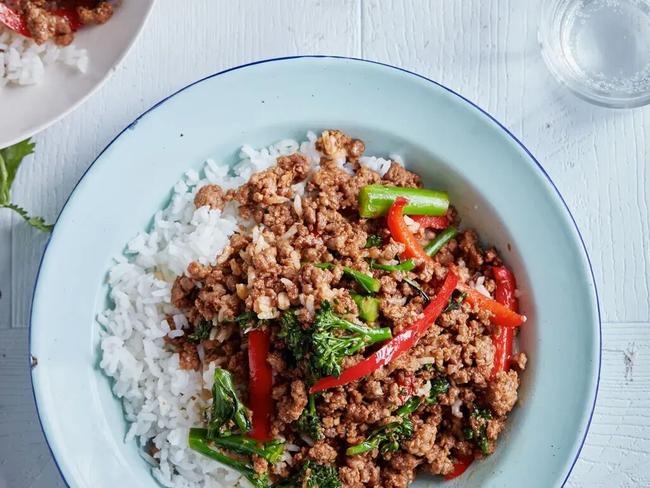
{"type": "Point", "coordinates": [418, 288]}
{"type": "Point", "coordinates": [226, 406]}
{"type": "Point", "coordinates": [438, 387]}
{"type": "Point", "coordinates": [10, 159]}
{"type": "Point", "coordinates": [374, 240]}
{"type": "Point", "coordinates": [36, 222]}
{"type": "Point", "coordinates": [201, 332]}
{"type": "Point", "coordinates": [456, 300]}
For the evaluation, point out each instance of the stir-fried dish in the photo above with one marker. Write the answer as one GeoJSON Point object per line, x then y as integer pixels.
{"type": "Point", "coordinates": [57, 20]}
{"type": "Point", "coordinates": [356, 335]}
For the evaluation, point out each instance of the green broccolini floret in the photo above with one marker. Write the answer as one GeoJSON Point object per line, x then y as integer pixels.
{"type": "Point", "coordinates": [374, 240]}
{"type": "Point", "coordinates": [201, 332]}
{"type": "Point", "coordinates": [226, 406]}
{"type": "Point", "coordinates": [438, 387]}
{"type": "Point", "coordinates": [389, 437]}
{"type": "Point", "coordinates": [294, 336]}
{"type": "Point", "coordinates": [309, 422]}
{"type": "Point", "coordinates": [479, 434]}
{"type": "Point", "coordinates": [313, 475]}
{"type": "Point", "coordinates": [334, 338]}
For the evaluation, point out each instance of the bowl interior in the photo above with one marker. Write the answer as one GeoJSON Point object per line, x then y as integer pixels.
{"type": "Point", "coordinates": [495, 184]}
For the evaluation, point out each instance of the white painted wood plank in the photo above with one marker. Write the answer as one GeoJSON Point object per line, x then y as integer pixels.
{"type": "Point", "coordinates": [487, 50]}
{"type": "Point", "coordinates": [618, 444]}
{"type": "Point", "coordinates": [25, 460]}
{"type": "Point", "coordinates": [5, 269]}
{"type": "Point", "coordinates": [173, 51]}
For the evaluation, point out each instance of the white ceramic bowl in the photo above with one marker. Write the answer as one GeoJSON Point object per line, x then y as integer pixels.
{"type": "Point", "coordinates": [496, 184]}
{"type": "Point", "coordinates": [27, 110]}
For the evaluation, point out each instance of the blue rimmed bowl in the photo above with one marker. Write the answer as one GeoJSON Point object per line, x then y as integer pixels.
{"type": "Point", "coordinates": [496, 184]}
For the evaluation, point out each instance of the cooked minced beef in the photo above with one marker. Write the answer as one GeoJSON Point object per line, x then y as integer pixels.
{"type": "Point", "coordinates": [271, 269]}
{"type": "Point", "coordinates": [44, 19]}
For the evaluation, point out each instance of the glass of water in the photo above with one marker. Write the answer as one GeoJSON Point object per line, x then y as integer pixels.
{"type": "Point", "coordinates": [599, 49]}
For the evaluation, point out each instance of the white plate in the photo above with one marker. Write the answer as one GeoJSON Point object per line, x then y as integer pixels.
{"type": "Point", "coordinates": [26, 110]}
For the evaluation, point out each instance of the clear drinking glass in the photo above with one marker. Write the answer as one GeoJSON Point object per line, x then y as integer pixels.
{"type": "Point", "coordinates": [599, 49]}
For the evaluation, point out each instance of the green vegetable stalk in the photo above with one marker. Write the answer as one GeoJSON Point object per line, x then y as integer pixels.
{"type": "Point", "coordinates": [368, 307]}
{"type": "Point", "coordinates": [407, 265]}
{"type": "Point", "coordinates": [367, 282]}
{"type": "Point", "coordinates": [375, 200]}
{"type": "Point", "coordinates": [440, 240]}
{"type": "Point", "coordinates": [309, 423]}
{"type": "Point", "coordinates": [271, 451]}
{"type": "Point", "coordinates": [198, 441]}
{"type": "Point", "coordinates": [334, 338]}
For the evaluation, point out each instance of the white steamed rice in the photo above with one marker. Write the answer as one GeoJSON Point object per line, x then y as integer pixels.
{"type": "Point", "coordinates": [23, 62]}
{"type": "Point", "coordinates": [161, 401]}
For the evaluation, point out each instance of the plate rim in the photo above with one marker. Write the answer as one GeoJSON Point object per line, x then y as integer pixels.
{"type": "Point", "coordinates": [100, 83]}
{"type": "Point", "coordinates": [474, 105]}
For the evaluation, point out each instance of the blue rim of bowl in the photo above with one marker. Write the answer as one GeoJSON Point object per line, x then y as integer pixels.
{"type": "Point", "coordinates": [324, 56]}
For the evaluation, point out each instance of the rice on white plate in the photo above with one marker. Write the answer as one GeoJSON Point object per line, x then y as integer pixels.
{"type": "Point", "coordinates": [162, 401]}
{"type": "Point", "coordinates": [23, 62]}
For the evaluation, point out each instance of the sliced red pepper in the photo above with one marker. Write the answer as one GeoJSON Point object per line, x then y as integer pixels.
{"type": "Point", "coordinates": [501, 315]}
{"type": "Point", "coordinates": [261, 383]}
{"type": "Point", "coordinates": [401, 233]}
{"type": "Point", "coordinates": [506, 287]}
{"type": "Point", "coordinates": [71, 15]}
{"type": "Point", "coordinates": [397, 345]}
{"type": "Point", "coordinates": [502, 340]}
{"type": "Point", "coordinates": [431, 221]}
{"type": "Point", "coordinates": [13, 20]}
{"type": "Point", "coordinates": [460, 466]}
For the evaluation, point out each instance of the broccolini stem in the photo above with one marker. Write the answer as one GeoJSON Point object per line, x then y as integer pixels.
{"type": "Point", "coordinates": [375, 200]}
{"type": "Point", "coordinates": [367, 282]}
{"type": "Point", "coordinates": [199, 442]}
{"type": "Point", "coordinates": [407, 265]}
{"type": "Point", "coordinates": [440, 240]}
{"type": "Point", "coordinates": [368, 307]}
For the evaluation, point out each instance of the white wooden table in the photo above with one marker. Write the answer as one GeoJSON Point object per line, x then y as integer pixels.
{"type": "Point", "coordinates": [485, 49]}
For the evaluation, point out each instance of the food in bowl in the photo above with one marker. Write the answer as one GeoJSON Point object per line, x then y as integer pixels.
{"type": "Point", "coordinates": [312, 318]}
{"type": "Point", "coordinates": [36, 33]}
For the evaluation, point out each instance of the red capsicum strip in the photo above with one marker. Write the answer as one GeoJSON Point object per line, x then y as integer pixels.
{"type": "Point", "coordinates": [431, 221]}
{"type": "Point", "coordinates": [504, 294]}
{"type": "Point", "coordinates": [501, 315]}
{"type": "Point", "coordinates": [460, 466]}
{"type": "Point", "coordinates": [401, 233]}
{"type": "Point", "coordinates": [397, 345]}
{"type": "Point", "coordinates": [16, 21]}
{"type": "Point", "coordinates": [261, 383]}
{"type": "Point", "coordinates": [71, 16]}
{"type": "Point", "coordinates": [13, 20]}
